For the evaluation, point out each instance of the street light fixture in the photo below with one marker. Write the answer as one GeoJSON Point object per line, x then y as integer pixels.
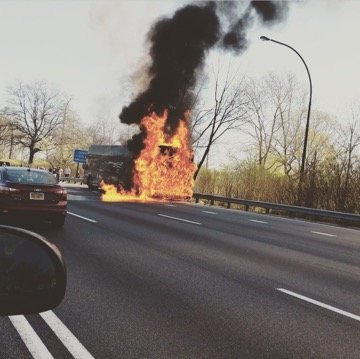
{"type": "Point", "coordinates": [302, 168]}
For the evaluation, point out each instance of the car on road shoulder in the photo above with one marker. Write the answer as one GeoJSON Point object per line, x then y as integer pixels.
{"type": "Point", "coordinates": [32, 193]}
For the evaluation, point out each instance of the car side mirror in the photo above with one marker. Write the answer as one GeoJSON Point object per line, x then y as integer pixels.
{"type": "Point", "coordinates": [32, 272]}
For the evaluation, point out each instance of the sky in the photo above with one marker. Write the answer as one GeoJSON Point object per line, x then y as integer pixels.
{"type": "Point", "coordinates": [91, 50]}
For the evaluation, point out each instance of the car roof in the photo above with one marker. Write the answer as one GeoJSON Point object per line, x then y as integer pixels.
{"type": "Point", "coordinates": [15, 168]}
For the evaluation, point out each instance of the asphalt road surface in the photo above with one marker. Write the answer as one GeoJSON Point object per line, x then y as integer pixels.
{"type": "Point", "coordinates": [178, 280]}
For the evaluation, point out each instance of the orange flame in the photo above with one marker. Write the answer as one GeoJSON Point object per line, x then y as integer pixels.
{"type": "Point", "coordinates": [164, 169]}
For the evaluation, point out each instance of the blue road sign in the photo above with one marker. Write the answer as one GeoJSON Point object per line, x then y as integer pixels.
{"type": "Point", "coordinates": [80, 156]}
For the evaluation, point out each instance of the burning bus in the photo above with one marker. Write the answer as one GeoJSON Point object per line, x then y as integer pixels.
{"type": "Point", "coordinates": [163, 170]}
{"type": "Point", "coordinates": [109, 164]}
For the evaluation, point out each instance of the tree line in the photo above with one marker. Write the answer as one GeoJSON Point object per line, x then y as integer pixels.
{"type": "Point", "coordinates": [269, 114]}
{"type": "Point", "coordinates": [39, 124]}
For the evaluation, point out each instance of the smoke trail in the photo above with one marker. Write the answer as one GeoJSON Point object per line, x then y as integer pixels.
{"type": "Point", "coordinates": [269, 12]}
{"type": "Point", "coordinates": [178, 49]}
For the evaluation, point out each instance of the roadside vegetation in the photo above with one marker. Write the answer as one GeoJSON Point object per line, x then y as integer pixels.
{"type": "Point", "coordinates": [268, 152]}
{"type": "Point", "coordinates": [329, 187]}
{"type": "Point", "coordinates": [38, 126]}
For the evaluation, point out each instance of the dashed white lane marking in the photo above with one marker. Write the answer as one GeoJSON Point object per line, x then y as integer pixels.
{"type": "Point", "coordinates": [85, 218]}
{"type": "Point", "coordinates": [320, 304]}
{"type": "Point", "coordinates": [209, 212]}
{"type": "Point", "coordinates": [72, 344]}
{"type": "Point", "coordinates": [257, 221]}
{"type": "Point", "coordinates": [178, 219]}
{"type": "Point", "coordinates": [72, 197]}
{"type": "Point", "coordinates": [324, 234]}
{"type": "Point", "coordinates": [170, 205]}
{"type": "Point", "coordinates": [32, 341]}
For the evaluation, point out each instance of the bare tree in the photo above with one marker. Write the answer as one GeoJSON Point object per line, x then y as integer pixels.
{"type": "Point", "coordinates": [266, 115]}
{"type": "Point", "coordinates": [321, 153]}
{"type": "Point", "coordinates": [64, 134]}
{"type": "Point", "coordinates": [72, 134]}
{"type": "Point", "coordinates": [9, 137]}
{"type": "Point", "coordinates": [275, 121]}
{"type": "Point", "coordinates": [69, 135]}
{"type": "Point", "coordinates": [103, 132]}
{"type": "Point", "coordinates": [36, 112]}
{"type": "Point", "coordinates": [4, 131]}
{"type": "Point", "coordinates": [226, 114]}
{"type": "Point", "coordinates": [349, 142]}
{"type": "Point", "coordinates": [288, 96]}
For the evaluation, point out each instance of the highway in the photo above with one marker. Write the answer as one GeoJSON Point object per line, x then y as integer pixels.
{"type": "Point", "coordinates": [179, 280]}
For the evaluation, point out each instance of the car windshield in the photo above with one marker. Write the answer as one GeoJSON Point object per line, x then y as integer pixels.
{"type": "Point", "coordinates": [29, 177]}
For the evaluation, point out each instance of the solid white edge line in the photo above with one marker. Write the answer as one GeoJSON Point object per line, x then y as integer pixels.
{"type": "Point", "coordinates": [32, 341]}
{"type": "Point", "coordinates": [324, 234]}
{"type": "Point", "coordinates": [318, 224]}
{"type": "Point", "coordinates": [72, 344]}
{"type": "Point", "coordinates": [178, 219]}
{"type": "Point", "coordinates": [320, 304]}
{"type": "Point", "coordinates": [257, 221]}
{"type": "Point", "coordinates": [244, 213]}
{"type": "Point", "coordinates": [209, 212]}
{"type": "Point", "coordinates": [86, 219]}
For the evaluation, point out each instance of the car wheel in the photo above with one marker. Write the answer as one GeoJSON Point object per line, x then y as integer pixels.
{"type": "Point", "coordinates": [58, 221]}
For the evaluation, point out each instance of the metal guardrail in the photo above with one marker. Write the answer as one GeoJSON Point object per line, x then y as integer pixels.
{"type": "Point", "coordinates": [315, 213]}
{"type": "Point", "coordinates": [71, 179]}
{"type": "Point", "coordinates": [312, 212]}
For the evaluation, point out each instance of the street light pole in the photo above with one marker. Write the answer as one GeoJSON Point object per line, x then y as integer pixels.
{"type": "Point", "coordinates": [302, 168]}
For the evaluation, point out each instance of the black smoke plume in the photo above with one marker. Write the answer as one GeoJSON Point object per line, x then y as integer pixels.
{"type": "Point", "coordinates": [178, 49]}
{"type": "Point", "coordinates": [269, 12]}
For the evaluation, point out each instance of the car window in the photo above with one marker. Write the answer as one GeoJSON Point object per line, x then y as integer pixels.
{"type": "Point", "coordinates": [30, 177]}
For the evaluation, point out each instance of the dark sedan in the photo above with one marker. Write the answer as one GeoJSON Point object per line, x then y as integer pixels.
{"type": "Point", "coordinates": [31, 193]}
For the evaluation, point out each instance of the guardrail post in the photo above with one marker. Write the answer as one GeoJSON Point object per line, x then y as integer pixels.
{"type": "Point", "coordinates": [267, 210]}
{"type": "Point", "coordinates": [247, 208]}
{"type": "Point", "coordinates": [229, 205]}
{"type": "Point", "coordinates": [212, 202]}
